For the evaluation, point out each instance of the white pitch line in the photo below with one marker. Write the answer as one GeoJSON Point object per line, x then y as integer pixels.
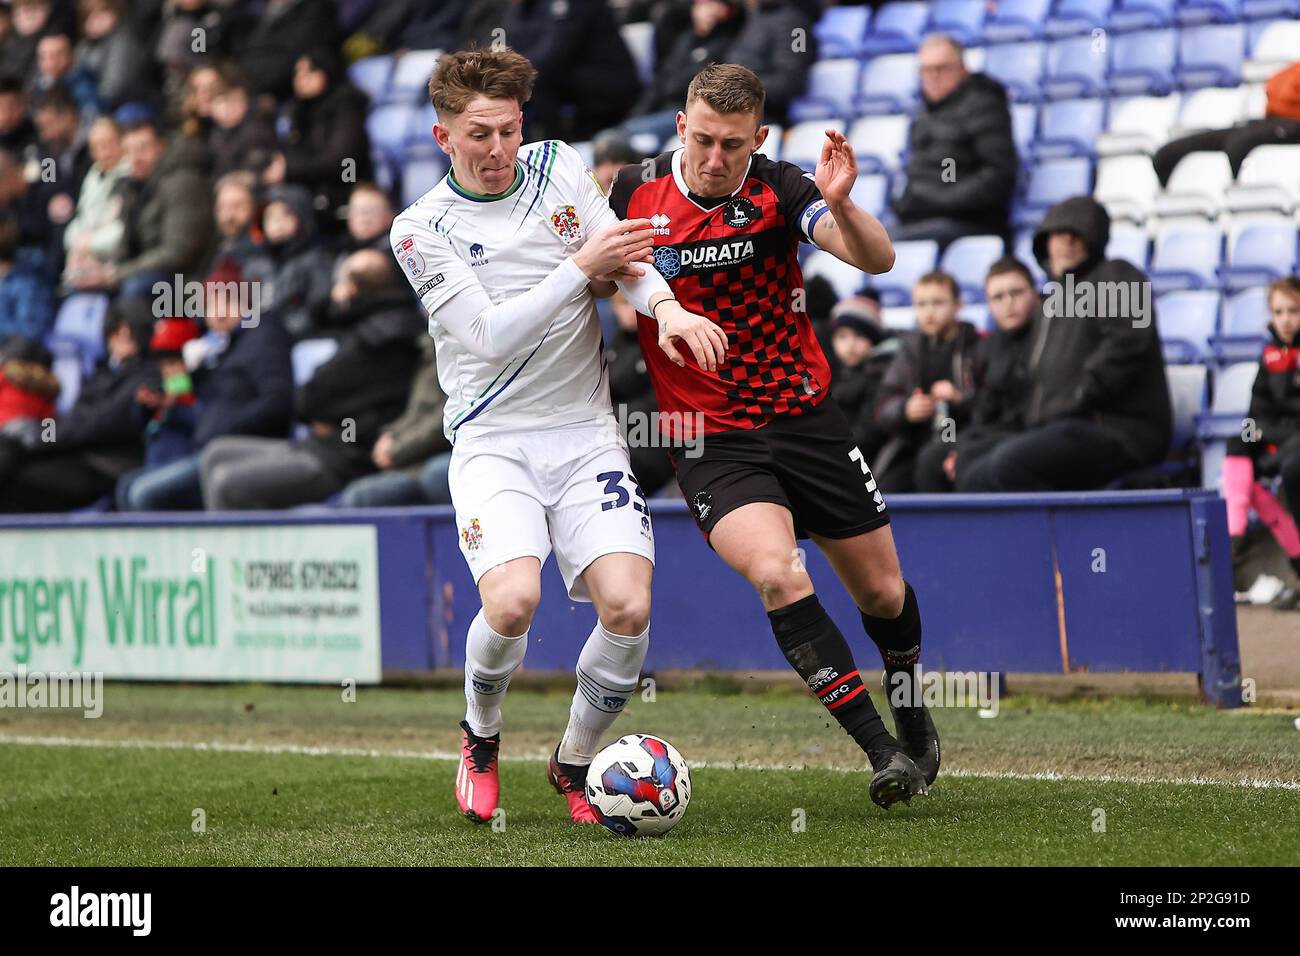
{"type": "Point", "coordinates": [217, 746]}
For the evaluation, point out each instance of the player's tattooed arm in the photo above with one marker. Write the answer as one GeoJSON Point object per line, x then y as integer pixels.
{"type": "Point", "coordinates": [847, 231]}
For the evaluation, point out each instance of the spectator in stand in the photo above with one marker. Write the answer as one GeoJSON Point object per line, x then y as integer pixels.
{"type": "Point", "coordinates": [634, 398]}
{"type": "Point", "coordinates": [25, 204]}
{"type": "Point", "coordinates": [1002, 380]}
{"type": "Point", "coordinates": [1280, 125]}
{"type": "Point", "coordinates": [1099, 402]}
{"type": "Point", "coordinates": [241, 137]}
{"type": "Point", "coordinates": [412, 453]}
{"type": "Point", "coordinates": [586, 77]}
{"type": "Point", "coordinates": [297, 273]}
{"type": "Point", "coordinates": [65, 160]}
{"type": "Point", "coordinates": [17, 131]}
{"type": "Point", "coordinates": [98, 440]}
{"type": "Point", "coordinates": [611, 152]}
{"type": "Point", "coordinates": [28, 388]}
{"type": "Point", "coordinates": [326, 147]}
{"type": "Point", "coordinates": [1273, 447]}
{"type": "Point", "coordinates": [110, 50]}
{"type": "Point", "coordinates": [96, 232]}
{"type": "Point", "coordinates": [165, 407]}
{"type": "Point", "coordinates": [167, 209]}
{"type": "Point", "coordinates": [239, 234]}
{"type": "Point", "coordinates": [271, 42]}
{"type": "Point", "coordinates": [26, 296]}
{"type": "Point", "coordinates": [56, 67]}
{"type": "Point", "coordinates": [929, 387]}
{"type": "Point", "coordinates": [243, 385]}
{"type": "Point", "coordinates": [345, 402]}
{"type": "Point", "coordinates": [407, 25]}
{"type": "Point", "coordinates": [864, 350]}
{"type": "Point", "coordinates": [191, 107]}
{"type": "Point", "coordinates": [31, 18]}
{"type": "Point", "coordinates": [962, 164]}
{"type": "Point", "coordinates": [175, 49]}
{"type": "Point", "coordinates": [766, 45]}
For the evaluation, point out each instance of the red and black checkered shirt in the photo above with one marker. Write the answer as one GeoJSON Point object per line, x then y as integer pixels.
{"type": "Point", "coordinates": [733, 259]}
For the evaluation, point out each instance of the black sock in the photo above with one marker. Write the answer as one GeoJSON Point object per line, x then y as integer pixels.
{"type": "Point", "coordinates": [819, 653]}
{"type": "Point", "coordinates": [899, 640]}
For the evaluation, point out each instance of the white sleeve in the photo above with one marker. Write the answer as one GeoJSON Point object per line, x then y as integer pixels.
{"type": "Point", "coordinates": [455, 298]}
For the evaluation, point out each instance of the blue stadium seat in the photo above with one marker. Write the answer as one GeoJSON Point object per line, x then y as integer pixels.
{"type": "Point", "coordinates": [1192, 12]}
{"type": "Point", "coordinates": [308, 355]}
{"type": "Point", "coordinates": [389, 127]}
{"type": "Point", "coordinates": [880, 142]}
{"type": "Point", "coordinates": [1051, 181]}
{"type": "Point", "coordinates": [1187, 321]}
{"type": "Point", "coordinates": [830, 92]}
{"type": "Point", "coordinates": [840, 32]}
{"type": "Point", "coordinates": [419, 132]}
{"type": "Point", "coordinates": [409, 82]}
{"type": "Point", "coordinates": [1141, 14]}
{"type": "Point", "coordinates": [888, 84]}
{"type": "Point", "coordinates": [1211, 55]}
{"type": "Point", "coordinates": [912, 259]}
{"type": "Point", "coordinates": [968, 260]}
{"type": "Point", "coordinates": [1262, 9]}
{"type": "Point", "coordinates": [1143, 62]}
{"type": "Point", "coordinates": [78, 328]}
{"type": "Point", "coordinates": [67, 369]}
{"type": "Point", "coordinates": [371, 75]}
{"type": "Point", "coordinates": [846, 279]}
{"type": "Point", "coordinates": [1024, 122]}
{"type": "Point", "coordinates": [1129, 243]}
{"type": "Point", "coordinates": [1259, 253]}
{"type": "Point", "coordinates": [1024, 251]}
{"type": "Point", "coordinates": [961, 19]}
{"type": "Point", "coordinates": [898, 27]}
{"type": "Point", "coordinates": [1016, 20]}
{"type": "Point", "coordinates": [1070, 128]}
{"type": "Point", "coordinates": [977, 314]}
{"type": "Point", "coordinates": [1018, 67]}
{"type": "Point", "coordinates": [1187, 257]}
{"type": "Point", "coordinates": [1076, 67]}
{"type": "Point", "coordinates": [1245, 327]}
{"type": "Point", "coordinates": [1228, 407]}
{"type": "Point", "coordinates": [640, 40]}
{"type": "Point", "coordinates": [803, 142]}
{"type": "Point", "coordinates": [1188, 391]}
{"type": "Point", "coordinates": [420, 175]}
{"type": "Point", "coordinates": [871, 192]}
{"type": "Point", "coordinates": [1072, 17]}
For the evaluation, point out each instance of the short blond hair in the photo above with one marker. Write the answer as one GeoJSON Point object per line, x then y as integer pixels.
{"type": "Point", "coordinates": [497, 74]}
{"type": "Point", "coordinates": [728, 88]}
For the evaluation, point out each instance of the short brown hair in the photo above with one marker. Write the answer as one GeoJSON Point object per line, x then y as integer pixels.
{"type": "Point", "coordinates": [728, 88]}
{"type": "Point", "coordinates": [497, 74]}
{"type": "Point", "coordinates": [1287, 285]}
{"type": "Point", "coordinates": [939, 277]}
{"type": "Point", "coordinates": [1008, 264]}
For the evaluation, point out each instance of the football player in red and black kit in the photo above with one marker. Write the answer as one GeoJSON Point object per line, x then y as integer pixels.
{"type": "Point", "coordinates": [777, 458]}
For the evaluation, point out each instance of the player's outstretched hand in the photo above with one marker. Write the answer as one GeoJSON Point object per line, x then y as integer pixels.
{"type": "Point", "coordinates": [707, 342]}
{"type": "Point", "coordinates": [837, 169]}
{"type": "Point", "coordinates": [610, 250]}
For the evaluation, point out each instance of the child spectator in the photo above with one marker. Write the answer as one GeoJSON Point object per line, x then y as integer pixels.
{"type": "Point", "coordinates": [863, 351]}
{"type": "Point", "coordinates": [168, 413]}
{"type": "Point", "coordinates": [1270, 443]}
{"type": "Point", "coordinates": [929, 387]}
{"type": "Point", "coordinates": [28, 388]}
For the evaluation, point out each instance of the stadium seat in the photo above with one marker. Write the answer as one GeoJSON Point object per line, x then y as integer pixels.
{"type": "Point", "coordinates": [841, 31]}
{"type": "Point", "coordinates": [1018, 67]}
{"type": "Point", "coordinates": [888, 84]}
{"type": "Point", "coordinates": [409, 82]}
{"type": "Point", "coordinates": [1273, 49]}
{"type": "Point", "coordinates": [1193, 12]}
{"type": "Point", "coordinates": [1072, 17]}
{"type": "Point", "coordinates": [1244, 331]}
{"type": "Point", "coordinates": [1210, 108]}
{"type": "Point", "coordinates": [846, 279]}
{"type": "Point", "coordinates": [308, 355]}
{"type": "Point", "coordinates": [830, 92]}
{"type": "Point", "coordinates": [900, 318]}
{"type": "Point", "coordinates": [1188, 391]}
{"type": "Point", "coordinates": [1187, 321]}
{"type": "Point", "coordinates": [67, 369]}
{"type": "Point", "coordinates": [978, 315]}
{"type": "Point", "coordinates": [871, 192]}
{"type": "Point", "coordinates": [1051, 181]}
{"type": "Point", "coordinates": [898, 27]}
{"type": "Point", "coordinates": [968, 259]}
{"type": "Point", "coordinates": [1024, 121]}
{"type": "Point", "coordinates": [78, 328]}
{"type": "Point", "coordinates": [1262, 9]}
{"type": "Point", "coordinates": [1211, 55]}
{"type": "Point", "coordinates": [1126, 186]}
{"type": "Point", "coordinates": [419, 176]}
{"type": "Point", "coordinates": [1143, 62]}
{"type": "Point", "coordinates": [1016, 20]}
{"type": "Point", "coordinates": [1228, 408]}
{"type": "Point", "coordinates": [1196, 187]}
{"type": "Point", "coordinates": [963, 20]}
{"type": "Point", "coordinates": [389, 128]}
{"type": "Point", "coordinates": [640, 40]}
{"type": "Point", "coordinates": [880, 142]}
{"type": "Point", "coordinates": [1129, 243]}
{"type": "Point", "coordinates": [1141, 14]}
{"type": "Point", "coordinates": [1186, 256]}
{"type": "Point", "coordinates": [1070, 128]}
{"type": "Point", "coordinates": [1138, 124]}
{"type": "Point", "coordinates": [419, 132]}
{"type": "Point", "coordinates": [912, 259]}
{"type": "Point", "coordinates": [1260, 252]}
{"type": "Point", "coordinates": [1076, 66]}
{"type": "Point", "coordinates": [1269, 179]}
{"type": "Point", "coordinates": [371, 76]}
{"type": "Point", "coordinates": [1024, 251]}
{"type": "Point", "coordinates": [803, 142]}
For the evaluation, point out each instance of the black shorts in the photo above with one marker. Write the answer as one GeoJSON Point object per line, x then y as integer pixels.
{"type": "Point", "coordinates": [807, 463]}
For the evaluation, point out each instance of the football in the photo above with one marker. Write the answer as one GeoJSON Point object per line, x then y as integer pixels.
{"type": "Point", "coordinates": [639, 786]}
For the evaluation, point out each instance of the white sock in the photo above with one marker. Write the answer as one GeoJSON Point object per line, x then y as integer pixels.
{"type": "Point", "coordinates": [609, 669]}
{"type": "Point", "coordinates": [490, 659]}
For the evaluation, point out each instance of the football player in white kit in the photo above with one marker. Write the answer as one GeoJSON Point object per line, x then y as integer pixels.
{"type": "Point", "coordinates": [505, 254]}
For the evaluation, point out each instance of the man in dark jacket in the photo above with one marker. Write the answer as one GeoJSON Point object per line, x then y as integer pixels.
{"type": "Point", "coordinates": [1099, 404]}
{"type": "Point", "coordinates": [271, 42]}
{"type": "Point", "coordinates": [961, 172]}
{"type": "Point", "coordinates": [292, 261]}
{"type": "Point", "coordinates": [768, 45]}
{"type": "Point", "coordinates": [345, 403]}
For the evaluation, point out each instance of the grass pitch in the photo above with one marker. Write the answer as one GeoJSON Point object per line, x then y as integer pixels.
{"type": "Point", "coordinates": [293, 776]}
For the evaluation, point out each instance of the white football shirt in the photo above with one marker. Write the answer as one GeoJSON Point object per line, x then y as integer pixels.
{"type": "Point", "coordinates": [450, 240]}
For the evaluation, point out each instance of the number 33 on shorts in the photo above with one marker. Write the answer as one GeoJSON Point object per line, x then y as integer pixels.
{"type": "Point", "coordinates": [615, 485]}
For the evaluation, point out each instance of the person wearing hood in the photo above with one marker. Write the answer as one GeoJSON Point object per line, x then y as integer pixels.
{"type": "Point", "coordinates": [863, 349]}
{"type": "Point", "coordinates": [294, 263]}
{"type": "Point", "coordinates": [346, 403]}
{"type": "Point", "coordinates": [326, 131]}
{"type": "Point", "coordinates": [962, 165]}
{"type": "Point", "coordinates": [1099, 401]}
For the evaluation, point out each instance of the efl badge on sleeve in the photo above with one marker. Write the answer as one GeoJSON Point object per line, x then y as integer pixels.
{"type": "Point", "coordinates": [410, 257]}
{"type": "Point", "coordinates": [565, 222]}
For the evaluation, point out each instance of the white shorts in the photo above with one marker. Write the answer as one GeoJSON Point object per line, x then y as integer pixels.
{"type": "Point", "coordinates": [571, 489]}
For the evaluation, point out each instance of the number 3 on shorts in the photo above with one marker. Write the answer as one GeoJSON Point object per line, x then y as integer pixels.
{"type": "Point", "coordinates": [614, 486]}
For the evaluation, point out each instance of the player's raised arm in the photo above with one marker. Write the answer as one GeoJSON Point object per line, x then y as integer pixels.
{"type": "Point", "coordinates": [847, 231]}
